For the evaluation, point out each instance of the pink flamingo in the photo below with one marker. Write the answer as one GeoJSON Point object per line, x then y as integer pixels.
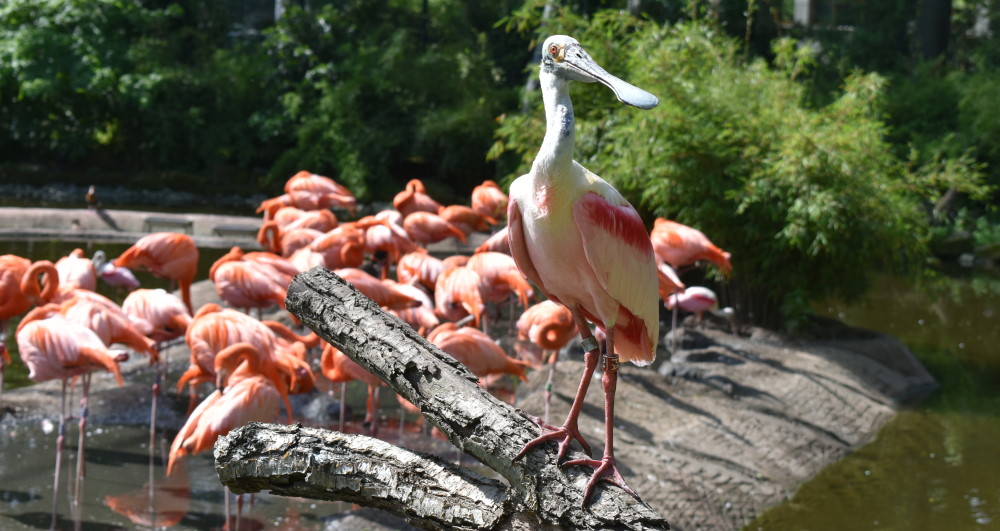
{"type": "Point", "coordinates": [245, 393]}
{"type": "Point", "coordinates": [477, 351]}
{"type": "Point", "coordinates": [426, 228]}
{"type": "Point", "coordinates": [160, 311]}
{"type": "Point", "coordinates": [457, 295]}
{"type": "Point", "coordinates": [695, 299]}
{"type": "Point", "coordinates": [576, 238]}
{"type": "Point", "coordinates": [165, 254]}
{"type": "Point", "coordinates": [59, 348]}
{"type": "Point", "coordinates": [77, 271]}
{"type": "Point", "coordinates": [497, 243]}
{"type": "Point", "coordinates": [466, 219]}
{"type": "Point", "coordinates": [680, 245]}
{"type": "Point", "coordinates": [414, 199]}
{"type": "Point", "coordinates": [419, 267]}
{"type": "Point", "coordinates": [489, 200]}
{"type": "Point", "coordinates": [421, 318]}
{"type": "Point", "coordinates": [12, 301]}
{"type": "Point", "coordinates": [382, 293]}
{"type": "Point", "coordinates": [499, 278]}
{"type": "Point", "coordinates": [291, 218]}
{"type": "Point", "coordinates": [338, 368]}
{"type": "Point", "coordinates": [550, 327]}
{"type": "Point", "coordinates": [309, 191]}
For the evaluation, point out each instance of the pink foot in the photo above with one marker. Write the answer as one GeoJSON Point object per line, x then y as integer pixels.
{"type": "Point", "coordinates": [565, 435]}
{"type": "Point", "coordinates": [604, 470]}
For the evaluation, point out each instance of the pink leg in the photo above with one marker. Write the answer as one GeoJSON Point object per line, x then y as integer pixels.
{"type": "Point", "coordinates": [59, 446]}
{"type": "Point", "coordinates": [605, 469]}
{"type": "Point", "coordinates": [81, 470]}
{"type": "Point", "coordinates": [569, 430]}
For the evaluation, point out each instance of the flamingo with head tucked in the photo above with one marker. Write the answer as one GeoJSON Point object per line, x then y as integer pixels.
{"type": "Point", "coordinates": [165, 254]}
{"type": "Point", "coordinates": [581, 242]}
{"type": "Point", "coordinates": [414, 199]}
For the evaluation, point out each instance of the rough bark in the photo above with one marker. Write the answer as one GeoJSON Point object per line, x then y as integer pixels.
{"type": "Point", "coordinates": [450, 398]}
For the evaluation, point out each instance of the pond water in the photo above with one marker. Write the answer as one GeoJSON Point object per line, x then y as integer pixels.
{"type": "Point", "coordinates": [115, 493]}
{"type": "Point", "coordinates": [935, 466]}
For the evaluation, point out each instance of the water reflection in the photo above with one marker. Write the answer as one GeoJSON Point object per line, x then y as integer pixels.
{"type": "Point", "coordinates": [934, 466]}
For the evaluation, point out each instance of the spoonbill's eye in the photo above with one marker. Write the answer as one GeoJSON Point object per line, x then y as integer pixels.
{"type": "Point", "coordinates": [554, 50]}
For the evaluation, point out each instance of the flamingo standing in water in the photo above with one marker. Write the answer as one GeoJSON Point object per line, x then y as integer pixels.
{"type": "Point", "coordinates": [245, 393]}
{"type": "Point", "coordinates": [576, 238]}
{"type": "Point", "coordinates": [165, 254]}
{"type": "Point", "coordinates": [59, 348]}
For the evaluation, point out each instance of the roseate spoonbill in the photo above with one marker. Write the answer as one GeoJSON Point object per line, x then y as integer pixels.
{"type": "Point", "coordinates": [497, 243]}
{"type": "Point", "coordinates": [457, 295]}
{"type": "Point", "coordinates": [119, 277]}
{"type": "Point", "coordinates": [426, 228]}
{"type": "Point", "coordinates": [576, 238]}
{"type": "Point", "coordinates": [165, 254]}
{"type": "Point", "coordinates": [338, 368]}
{"type": "Point", "coordinates": [680, 245]}
{"type": "Point", "coordinates": [59, 348]}
{"type": "Point", "coordinates": [695, 299]}
{"type": "Point", "coordinates": [414, 199]}
{"type": "Point", "coordinates": [549, 326]}
{"type": "Point", "coordinates": [489, 200]}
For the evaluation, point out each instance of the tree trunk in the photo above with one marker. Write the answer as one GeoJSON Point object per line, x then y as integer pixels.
{"type": "Point", "coordinates": [448, 395]}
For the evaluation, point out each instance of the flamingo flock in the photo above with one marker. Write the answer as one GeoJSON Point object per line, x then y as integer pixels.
{"type": "Point", "coordinates": [67, 330]}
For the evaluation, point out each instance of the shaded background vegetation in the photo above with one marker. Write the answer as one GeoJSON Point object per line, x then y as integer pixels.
{"type": "Point", "coordinates": [817, 151]}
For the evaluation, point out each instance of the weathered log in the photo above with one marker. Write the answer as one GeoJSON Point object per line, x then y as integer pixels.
{"type": "Point", "coordinates": [448, 395]}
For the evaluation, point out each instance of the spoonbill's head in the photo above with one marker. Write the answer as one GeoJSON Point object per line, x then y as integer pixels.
{"type": "Point", "coordinates": [564, 57]}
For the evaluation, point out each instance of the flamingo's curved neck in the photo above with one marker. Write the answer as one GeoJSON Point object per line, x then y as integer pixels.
{"type": "Point", "coordinates": [555, 157]}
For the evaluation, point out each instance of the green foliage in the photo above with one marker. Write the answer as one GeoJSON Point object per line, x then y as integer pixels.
{"type": "Point", "coordinates": [378, 94]}
{"type": "Point", "coordinates": [126, 86]}
{"type": "Point", "coordinates": [811, 202]}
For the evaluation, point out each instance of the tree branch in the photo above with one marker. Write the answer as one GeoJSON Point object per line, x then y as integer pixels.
{"type": "Point", "coordinates": [448, 395]}
{"type": "Point", "coordinates": [327, 465]}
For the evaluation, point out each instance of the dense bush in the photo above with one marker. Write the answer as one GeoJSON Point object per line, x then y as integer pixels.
{"type": "Point", "coordinates": [810, 201]}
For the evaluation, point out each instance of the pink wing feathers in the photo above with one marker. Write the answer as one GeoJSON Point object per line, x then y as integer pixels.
{"type": "Point", "coordinates": [617, 245]}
